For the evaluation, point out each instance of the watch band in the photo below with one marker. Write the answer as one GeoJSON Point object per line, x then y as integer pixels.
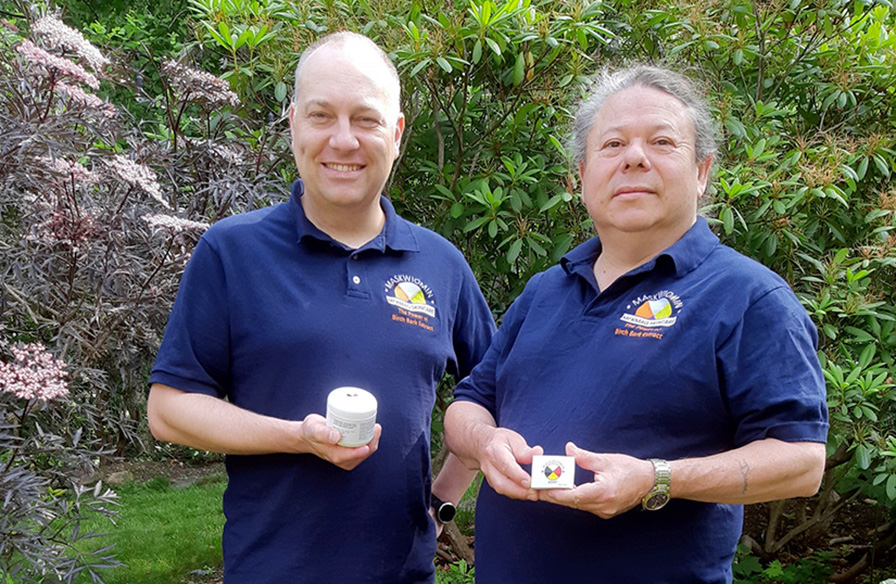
{"type": "Point", "coordinates": [445, 510]}
{"type": "Point", "coordinates": [659, 495]}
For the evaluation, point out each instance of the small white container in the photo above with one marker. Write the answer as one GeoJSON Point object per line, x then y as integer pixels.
{"type": "Point", "coordinates": [352, 411]}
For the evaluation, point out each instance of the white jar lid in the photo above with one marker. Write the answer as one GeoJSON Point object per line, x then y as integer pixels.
{"type": "Point", "coordinates": [351, 402]}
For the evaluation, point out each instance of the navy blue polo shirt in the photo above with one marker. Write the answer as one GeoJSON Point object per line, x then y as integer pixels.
{"type": "Point", "coordinates": [272, 314]}
{"type": "Point", "coordinates": [697, 352]}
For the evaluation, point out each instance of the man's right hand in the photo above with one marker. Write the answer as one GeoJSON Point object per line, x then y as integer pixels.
{"type": "Point", "coordinates": [210, 423]}
{"type": "Point", "coordinates": [323, 442]}
{"type": "Point", "coordinates": [474, 437]}
{"type": "Point", "coordinates": [501, 453]}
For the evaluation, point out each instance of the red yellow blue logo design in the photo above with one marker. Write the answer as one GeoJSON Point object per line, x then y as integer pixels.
{"type": "Point", "coordinates": [553, 471]}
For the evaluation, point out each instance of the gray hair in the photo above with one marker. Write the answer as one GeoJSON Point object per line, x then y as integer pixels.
{"type": "Point", "coordinates": [341, 39]}
{"type": "Point", "coordinates": [607, 83]}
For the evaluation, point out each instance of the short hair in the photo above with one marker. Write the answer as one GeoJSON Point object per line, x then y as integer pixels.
{"type": "Point", "coordinates": [607, 83]}
{"type": "Point", "coordinates": [343, 38]}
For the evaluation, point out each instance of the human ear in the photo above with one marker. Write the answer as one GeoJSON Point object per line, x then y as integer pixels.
{"type": "Point", "coordinates": [292, 129]}
{"type": "Point", "coordinates": [703, 174]}
{"type": "Point", "coordinates": [399, 130]}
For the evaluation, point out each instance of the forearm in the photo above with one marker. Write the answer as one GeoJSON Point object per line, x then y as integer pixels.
{"type": "Point", "coordinates": [472, 435]}
{"type": "Point", "coordinates": [453, 480]}
{"type": "Point", "coordinates": [468, 427]}
{"type": "Point", "coordinates": [765, 470]}
{"type": "Point", "coordinates": [208, 423]}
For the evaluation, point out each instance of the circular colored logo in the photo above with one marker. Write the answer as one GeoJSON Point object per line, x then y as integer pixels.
{"type": "Point", "coordinates": [655, 309]}
{"type": "Point", "coordinates": [553, 471]}
{"type": "Point", "coordinates": [410, 292]}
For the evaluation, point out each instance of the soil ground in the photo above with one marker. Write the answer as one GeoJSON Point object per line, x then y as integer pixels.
{"type": "Point", "coordinates": [178, 473]}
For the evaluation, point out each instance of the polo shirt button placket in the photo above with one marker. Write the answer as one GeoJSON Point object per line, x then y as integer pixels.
{"type": "Point", "coordinates": [357, 287]}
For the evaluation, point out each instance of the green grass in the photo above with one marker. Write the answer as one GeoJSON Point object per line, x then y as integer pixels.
{"type": "Point", "coordinates": [163, 533]}
{"type": "Point", "coordinates": [172, 536]}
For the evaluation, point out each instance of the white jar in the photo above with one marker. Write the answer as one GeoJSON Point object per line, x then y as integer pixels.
{"type": "Point", "coordinates": [352, 411]}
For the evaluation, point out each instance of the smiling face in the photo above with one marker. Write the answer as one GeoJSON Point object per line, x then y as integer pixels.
{"type": "Point", "coordinates": [640, 173]}
{"type": "Point", "coordinates": [346, 128]}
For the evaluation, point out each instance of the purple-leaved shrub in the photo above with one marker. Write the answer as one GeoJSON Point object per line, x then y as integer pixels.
{"type": "Point", "coordinates": [43, 504]}
{"type": "Point", "coordinates": [99, 212]}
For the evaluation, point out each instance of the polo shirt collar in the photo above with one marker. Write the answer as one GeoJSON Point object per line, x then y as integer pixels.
{"type": "Point", "coordinates": [396, 234]}
{"type": "Point", "coordinates": [684, 255]}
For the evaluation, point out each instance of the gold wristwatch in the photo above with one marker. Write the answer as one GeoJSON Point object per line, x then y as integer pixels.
{"type": "Point", "coordinates": [662, 480]}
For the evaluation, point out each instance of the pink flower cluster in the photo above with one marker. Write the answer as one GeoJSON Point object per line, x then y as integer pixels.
{"type": "Point", "coordinates": [199, 86]}
{"type": "Point", "coordinates": [37, 56]}
{"type": "Point", "coordinates": [65, 228]}
{"type": "Point", "coordinates": [138, 176]}
{"type": "Point", "coordinates": [176, 224]}
{"type": "Point", "coordinates": [34, 373]}
{"type": "Point", "coordinates": [71, 170]}
{"type": "Point", "coordinates": [57, 35]}
{"type": "Point", "coordinates": [78, 95]}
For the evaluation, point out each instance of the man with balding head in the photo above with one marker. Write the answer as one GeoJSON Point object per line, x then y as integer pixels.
{"type": "Point", "coordinates": [279, 306]}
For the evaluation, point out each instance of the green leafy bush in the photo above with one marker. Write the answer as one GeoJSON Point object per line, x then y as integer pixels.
{"type": "Point", "coordinates": [458, 573]}
{"type": "Point", "coordinates": [804, 92]}
{"type": "Point", "coordinates": [814, 569]}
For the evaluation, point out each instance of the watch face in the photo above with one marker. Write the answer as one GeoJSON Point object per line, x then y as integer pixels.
{"type": "Point", "coordinates": [446, 512]}
{"type": "Point", "coordinates": [656, 501]}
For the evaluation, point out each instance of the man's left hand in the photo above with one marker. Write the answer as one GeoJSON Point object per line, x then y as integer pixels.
{"type": "Point", "coordinates": [620, 482]}
{"type": "Point", "coordinates": [439, 526]}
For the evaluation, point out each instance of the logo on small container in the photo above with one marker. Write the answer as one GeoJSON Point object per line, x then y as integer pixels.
{"type": "Point", "coordinates": [553, 472]}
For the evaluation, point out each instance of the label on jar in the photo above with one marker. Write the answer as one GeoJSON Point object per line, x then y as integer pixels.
{"type": "Point", "coordinates": [354, 433]}
{"type": "Point", "coordinates": [352, 411]}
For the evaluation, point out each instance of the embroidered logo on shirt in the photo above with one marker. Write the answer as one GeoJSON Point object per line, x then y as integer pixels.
{"type": "Point", "coordinates": [646, 316]}
{"type": "Point", "coordinates": [412, 300]}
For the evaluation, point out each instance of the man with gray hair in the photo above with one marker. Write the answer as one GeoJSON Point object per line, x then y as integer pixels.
{"type": "Point", "coordinates": [679, 377]}
{"type": "Point", "coordinates": [332, 289]}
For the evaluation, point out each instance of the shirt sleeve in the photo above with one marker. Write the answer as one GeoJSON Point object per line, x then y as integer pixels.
{"type": "Point", "coordinates": [194, 355]}
{"type": "Point", "coordinates": [481, 385]}
{"type": "Point", "coordinates": [473, 329]}
{"type": "Point", "coordinates": [771, 374]}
